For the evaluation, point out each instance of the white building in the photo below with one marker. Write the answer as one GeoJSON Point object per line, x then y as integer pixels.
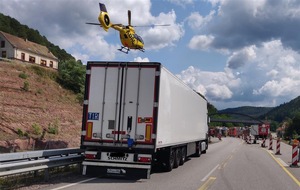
{"type": "Point", "coordinates": [13, 47]}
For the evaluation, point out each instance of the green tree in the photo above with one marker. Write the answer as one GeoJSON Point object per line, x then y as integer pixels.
{"type": "Point", "coordinates": [294, 127]}
{"type": "Point", "coordinates": [72, 75]}
{"type": "Point", "coordinates": [274, 125]}
{"type": "Point", "coordinates": [211, 108]}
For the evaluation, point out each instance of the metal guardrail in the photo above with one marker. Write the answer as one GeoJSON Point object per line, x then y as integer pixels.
{"type": "Point", "coordinates": [15, 163]}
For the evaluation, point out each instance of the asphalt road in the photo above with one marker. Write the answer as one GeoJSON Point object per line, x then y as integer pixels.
{"type": "Point", "coordinates": [230, 164]}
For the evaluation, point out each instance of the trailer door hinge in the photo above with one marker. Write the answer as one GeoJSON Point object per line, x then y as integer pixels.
{"type": "Point", "coordinates": [88, 72]}
{"type": "Point", "coordinates": [157, 73]}
{"type": "Point", "coordinates": [155, 104]}
{"type": "Point", "coordinates": [85, 102]}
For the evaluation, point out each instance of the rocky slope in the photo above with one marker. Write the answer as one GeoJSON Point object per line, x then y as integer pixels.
{"type": "Point", "coordinates": [35, 112]}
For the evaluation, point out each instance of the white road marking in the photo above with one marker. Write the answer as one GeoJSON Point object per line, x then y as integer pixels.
{"type": "Point", "coordinates": [282, 162]}
{"type": "Point", "coordinates": [204, 179]}
{"type": "Point", "coordinates": [72, 184]}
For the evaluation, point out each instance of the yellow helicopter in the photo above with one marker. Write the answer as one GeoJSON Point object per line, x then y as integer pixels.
{"type": "Point", "coordinates": [128, 37]}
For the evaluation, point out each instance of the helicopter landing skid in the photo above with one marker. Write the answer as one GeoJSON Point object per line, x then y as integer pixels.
{"type": "Point", "coordinates": [124, 49]}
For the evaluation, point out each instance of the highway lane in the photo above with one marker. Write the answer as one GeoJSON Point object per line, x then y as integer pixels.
{"type": "Point", "coordinates": [252, 167]}
{"type": "Point", "coordinates": [229, 164]}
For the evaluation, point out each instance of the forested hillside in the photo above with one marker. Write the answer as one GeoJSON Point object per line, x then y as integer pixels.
{"type": "Point", "coordinates": [14, 27]}
{"type": "Point", "coordinates": [284, 111]}
{"type": "Point", "coordinates": [255, 112]}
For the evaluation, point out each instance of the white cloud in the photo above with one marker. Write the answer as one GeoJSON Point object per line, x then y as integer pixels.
{"type": "Point", "coordinates": [162, 36]}
{"type": "Point", "coordinates": [201, 42]}
{"type": "Point", "coordinates": [239, 58]}
{"type": "Point", "coordinates": [279, 88]}
{"type": "Point", "coordinates": [139, 59]}
{"type": "Point", "coordinates": [251, 22]}
{"type": "Point", "coordinates": [218, 92]}
{"type": "Point", "coordinates": [181, 2]}
{"type": "Point", "coordinates": [197, 21]}
{"type": "Point", "coordinates": [271, 71]}
{"type": "Point", "coordinates": [264, 75]}
{"type": "Point", "coordinates": [214, 85]}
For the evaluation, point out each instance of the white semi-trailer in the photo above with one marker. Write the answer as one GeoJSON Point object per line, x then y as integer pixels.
{"type": "Point", "coordinates": [137, 115]}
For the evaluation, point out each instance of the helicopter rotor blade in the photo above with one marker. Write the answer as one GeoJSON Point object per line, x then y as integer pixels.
{"type": "Point", "coordinates": [92, 23]}
{"type": "Point", "coordinates": [153, 25]}
{"type": "Point", "coordinates": [129, 17]}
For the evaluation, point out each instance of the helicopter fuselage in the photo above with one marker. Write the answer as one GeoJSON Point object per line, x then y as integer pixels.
{"type": "Point", "coordinates": [129, 38]}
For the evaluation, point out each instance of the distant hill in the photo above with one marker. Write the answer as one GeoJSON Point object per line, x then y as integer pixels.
{"type": "Point", "coordinates": [256, 112]}
{"type": "Point", "coordinates": [14, 27]}
{"type": "Point", "coordinates": [286, 110]}
{"type": "Point", "coordinates": [279, 113]}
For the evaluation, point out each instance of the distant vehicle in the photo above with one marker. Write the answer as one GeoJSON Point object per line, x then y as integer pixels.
{"type": "Point", "coordinates": [128, 37]}
{"type": "Point", "coordinates": [233, 132]}
{"type": "Point", "coordinates": [260, 130]}
{"type": "Point", "coordinates": [137, 115]}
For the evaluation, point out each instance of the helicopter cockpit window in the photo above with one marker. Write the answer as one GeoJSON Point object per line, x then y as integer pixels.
{"type": "Point", "coordinates": [139, 38]}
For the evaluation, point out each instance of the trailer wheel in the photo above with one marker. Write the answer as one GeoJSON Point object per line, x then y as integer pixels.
{"type": "Point", "coordinates": [170, 160]}
{"type": "Point", "coordinates": [177, 157]}
{"type": "Point", "coordinates": [206, 147]}
{"type": "Point", "coordinates": [198, 150]}
{"type": "Point", "coordinates": [183, 156]}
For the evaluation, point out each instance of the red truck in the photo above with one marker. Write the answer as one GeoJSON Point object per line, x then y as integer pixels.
{"type": "Point", "coordinates": [260, 130]}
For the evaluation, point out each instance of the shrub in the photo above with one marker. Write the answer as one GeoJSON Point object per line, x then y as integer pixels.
{"type": "Point", "coordinates": [20, 133]}
{"type": "Point", "coordinates": [36, 129]}
{"type": "Point", "coordinates": [23, 75]}
{"type": "Point", "coordinates": [53, 128]}
{"type": "Point", "coordinates": [71, 75]}
{"type": "Point", "coordinates": [44, 73]}
{"type": "Point", "coordinates": [26, 134]}
{"type": "Point", "coordinates": [80, 98]}
{"type": "Point", "coordinates": [26, 86]}
{"type": "Point", "coordinates": [39, 70]}
{"type": "Point", "coordinates": [39, 91]}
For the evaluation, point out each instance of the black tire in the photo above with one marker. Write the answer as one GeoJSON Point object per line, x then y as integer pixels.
{"type": "Point", "coordinates": [206, 146]}
{"type": "Point", "coordinates": [198, 150]}
{"type": "Point", "coordinates": [170, 161]}
{"type": "Point", "coordinates": [183, 156]}
{"type": "Point", "coordinates": [177, 157]}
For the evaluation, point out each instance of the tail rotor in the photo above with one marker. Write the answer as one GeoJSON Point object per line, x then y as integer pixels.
{"type": "Point", "coordinates": [103, 17]}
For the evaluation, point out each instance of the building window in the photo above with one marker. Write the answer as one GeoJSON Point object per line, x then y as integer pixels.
{"type": "Point", "coordinates": [51, 64]}
{"type": "Point", "coordinates": [3, 54]}
{"type": "Point", "coordinates": [43, 62]}
{"type": "Point", "coordinates": [31, 59]}
{"type": "Point", "coordinates": [23, 56]}
{"type": "Point", "coordinates": [2, 44]}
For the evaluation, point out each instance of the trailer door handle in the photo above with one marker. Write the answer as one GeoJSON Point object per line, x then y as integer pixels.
{"type": "Point", "coordinates": [129, 124]}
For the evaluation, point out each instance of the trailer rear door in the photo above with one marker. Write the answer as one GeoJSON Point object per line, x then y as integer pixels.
{"type": "Point", "coordinates": [120, 103]}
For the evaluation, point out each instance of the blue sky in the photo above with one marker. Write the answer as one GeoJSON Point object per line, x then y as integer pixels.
{"type": "Point", "coordinates": [235, 52]}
